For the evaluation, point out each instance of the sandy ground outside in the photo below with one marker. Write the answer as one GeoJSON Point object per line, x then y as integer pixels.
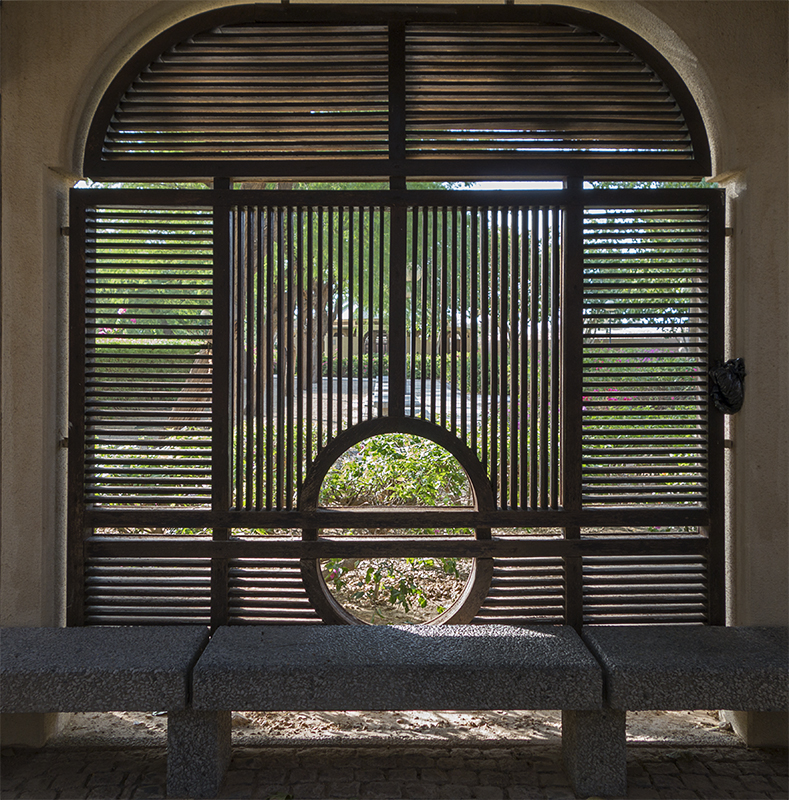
{"type": "Point", "coordinates": [680, 728]}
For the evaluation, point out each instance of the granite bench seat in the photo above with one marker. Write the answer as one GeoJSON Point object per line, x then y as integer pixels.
{"type": "Point", "coordinates": [683, 667]}
{"type": "Point", "coordinates": [363, 668]}
{"type": "Point", "coordinates": [198, 682]}
{"type": "Point", "coordinates": [109, 669]}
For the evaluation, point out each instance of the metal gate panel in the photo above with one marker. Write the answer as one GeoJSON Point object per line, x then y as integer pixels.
{"type": "Point", "coordinates": [515, 329]}
{"type": "Point", "coordinates": [646, 356]}
{"type": "Point", "coordinates": [310, 293]}
{"type": "Point", "coordinates": [483, 343]}
{"type": "Point", "coordinates": [147, 380]}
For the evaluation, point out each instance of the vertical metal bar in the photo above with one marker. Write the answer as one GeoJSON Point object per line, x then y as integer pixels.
{"type": "Point", "coordinates": [301, 317]}
{"type": "Point", "coordinates": [249, 434]}
{"type": "Point", "coordinates": [261, 360]}
{"type": "Point", "coordinates": [237, 360]}
{"type": "Point", "coordinates": [360, 336]}
{"type": "Point", "coordinates": [434, 311]}
{"type": "Point", "coordinates": [484, 310]}
{"type": "Point", "coordinates": [464, 354]}
{"type": "Point", "coordinates": [423, 368]}
{"type": "Point", "coordinates": [321, 259]}
{"type": "Point", "coordinates": [716, 565]}
{"type": "Point", "coordinates": [238, 353]}
{"type": "Point", "coordinates": [281, 357]}
{"type": "Point", "coordinates": [340, 331]}
{"type": "Point", "coordinates": [290, 358]}
{"type": "Point", "coordinates": [534, 310]}
{"type": "Point", "coordinates": [474, 303]}
{"type": "Point", "coordinates": [455, 393]}
{"type": "Point", "coordinates": [504, 412]}
{"type": "Point", "coordinates": [270, 355]}
{"type": "Point", "coordinates": [527, 244]}
{"type": "Point", "coordinates": [545, 286]}
{"type": "Point", "coordinates": [415, 267]}
{"type": "Point", "coordinates": [75, 583]}
{"type": "Point", "coordinates": [371, 316]}
{"type": "Point", "coordinates": [397, 103]}
{"type": "Point", "coordinates": [352, 338]}
{"type": "Point", "coordinates": [494, 383]}
{"type": "Point", "coordinates": [573, 582]}
{"type": "Point", "coordinates": [397, 309]}
{"type": "Point", "coordinates": [555, 353]}
{"type": "Point", "coordinates": [383, 318]}
{"type": "Point", "coordinates": [331, 326]}
{"type": "Point", "coordinates": [221, 371]}
{"type": "Point", "coordinates": [311, 307]}
{"type": "Point", "coordinates": [443, 303]}
{"type": "Point", "coordinates": [572, 393]}
{"type": "Point", "coordinates": [572, 355]}
{"type": "Point", "coordinates": [514, 356]}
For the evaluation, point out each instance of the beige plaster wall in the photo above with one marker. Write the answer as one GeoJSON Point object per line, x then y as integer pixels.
{"type": "Point", "coordinates": [57, 57]}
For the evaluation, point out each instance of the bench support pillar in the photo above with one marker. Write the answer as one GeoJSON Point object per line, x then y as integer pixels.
{"type": "Point", "coordinates": [198, 752]}
{"type": "Point", "coordinates": [593, 746]}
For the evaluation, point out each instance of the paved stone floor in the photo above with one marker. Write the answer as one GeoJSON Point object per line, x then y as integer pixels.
{"type": "Point", "coordinates": [392, 771]}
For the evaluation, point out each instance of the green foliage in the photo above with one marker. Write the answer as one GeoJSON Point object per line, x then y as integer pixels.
{"type": "Point", "coordinates": [702, 184]}
{"type": "Point", "coordinates": [382, 580]}
{"type": "Point", "coordinates": [396, 469]}
{"type": "Point", "coordinates": [381, 585]}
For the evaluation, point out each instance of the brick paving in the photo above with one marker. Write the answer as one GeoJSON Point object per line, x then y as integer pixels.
{"type": "Point", "coordinates": [478, 771]}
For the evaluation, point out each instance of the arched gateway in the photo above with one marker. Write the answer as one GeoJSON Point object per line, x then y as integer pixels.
{"type": "Point", "coordinates": [331, 276]}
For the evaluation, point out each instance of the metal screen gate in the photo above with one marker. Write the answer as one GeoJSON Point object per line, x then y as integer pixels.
{"type": "Point", "coordinates": [227, 346]}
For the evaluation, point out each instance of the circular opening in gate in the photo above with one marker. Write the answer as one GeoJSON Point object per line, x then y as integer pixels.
{"type": "Point", "coordinates": [387, 591]}
{"type": "Point", "coordinates": [380, 473]}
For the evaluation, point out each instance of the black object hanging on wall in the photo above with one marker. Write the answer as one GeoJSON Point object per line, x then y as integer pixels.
{"type": "Point", "coordinates": [728, 385]}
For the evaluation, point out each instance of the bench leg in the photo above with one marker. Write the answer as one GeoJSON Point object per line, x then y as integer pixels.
{"type": "Point", "coordinates": [593, 746]}
{"type": "Point", "coordinates": [198, 752]}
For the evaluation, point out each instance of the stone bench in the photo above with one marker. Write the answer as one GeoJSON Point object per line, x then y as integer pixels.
{"type": "Point", "coordinates": [112, 669]}
{"type": "Point", "coordinates": [368, 668]}
{"type": "Point", "coordinates": [679, 667]}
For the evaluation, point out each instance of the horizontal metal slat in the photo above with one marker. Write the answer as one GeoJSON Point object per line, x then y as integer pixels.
{"type": "Point", "coordinates": [646, 590]}
{"type": "Point", "coordinates": [267, 591]}
{"type": "Point", "coordinates": [224, 92]}
{"type": "Point", "coordinates": [525, 591]}
{"type": "Point", "coordinates": [147, 591]}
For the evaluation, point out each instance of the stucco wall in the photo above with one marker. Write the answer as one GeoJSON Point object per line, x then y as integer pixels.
{"type": "Point", "coordinates": [58, 56]}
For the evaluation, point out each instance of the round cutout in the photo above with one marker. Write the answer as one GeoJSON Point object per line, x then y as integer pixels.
{"type": "Point", "coordinates": [397, 469]}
